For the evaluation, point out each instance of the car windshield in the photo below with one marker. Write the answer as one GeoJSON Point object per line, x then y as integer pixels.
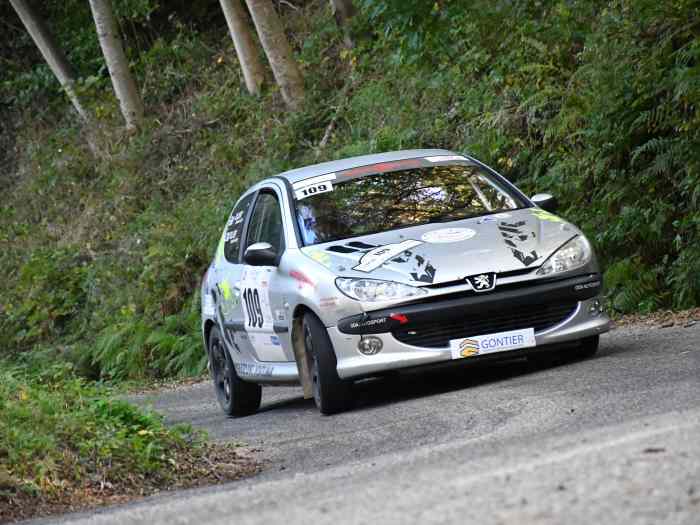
{"type": "Point", "coordinates": [398, 199]}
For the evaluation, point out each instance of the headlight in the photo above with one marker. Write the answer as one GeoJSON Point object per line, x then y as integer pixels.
{"type": "Point", "coordinates": [371, 290]}
{"type": "Point", "coordinates": [574, 254]}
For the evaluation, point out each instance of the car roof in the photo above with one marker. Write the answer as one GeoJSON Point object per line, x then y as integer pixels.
{"type": "Point", "coordinates": [299, 174]}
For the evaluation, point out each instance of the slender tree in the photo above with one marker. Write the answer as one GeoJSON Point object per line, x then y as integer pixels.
{"type": "Point", "coordinates": [244, 42]}
{"type": "Point", "coordinates": [113, 51]}
{"type": "Point", "coordinates": [278, 51]}
{"type": "Point", "coordinates": [344, 10]}
{"type": "Point", "coordinates": [52, 53]}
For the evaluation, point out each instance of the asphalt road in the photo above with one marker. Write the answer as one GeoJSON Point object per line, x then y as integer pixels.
{"type": "Point", "coordinates": [613, 439]}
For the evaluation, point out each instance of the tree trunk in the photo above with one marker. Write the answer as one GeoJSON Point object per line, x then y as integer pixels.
{"type": "Point", "coordinates": [113, 51]}
{"type": "Point", "coordinates": [278, 51]}
{"type": "Point", "coordinates": [52, 53]}
{"type": "Point", "coordinates": [344, 10]}
{"type": "Point", "coordinates": [238, 25]}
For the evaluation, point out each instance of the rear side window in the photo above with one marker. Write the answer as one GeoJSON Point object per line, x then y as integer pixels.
{"type": "Point", "coordinates": [234, 229]}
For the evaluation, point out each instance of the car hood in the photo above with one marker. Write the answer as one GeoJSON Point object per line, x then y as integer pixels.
{"type": "Point", "coordinates": [444, 252]}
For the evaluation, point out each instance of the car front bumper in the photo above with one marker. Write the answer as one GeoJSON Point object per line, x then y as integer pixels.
{"type": "Point", "coordinates": [586, 319]}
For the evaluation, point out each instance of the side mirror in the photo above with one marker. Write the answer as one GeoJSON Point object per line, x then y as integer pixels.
{"type": "Point", "coordinates": [546, 201]}
{"type": "Point", "coordinates": [260, 254]}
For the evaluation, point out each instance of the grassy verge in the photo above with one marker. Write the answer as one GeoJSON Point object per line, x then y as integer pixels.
{"type": "Point", "coordinates": [67, 445]}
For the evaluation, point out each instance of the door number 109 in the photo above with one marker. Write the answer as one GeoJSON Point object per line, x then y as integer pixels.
{"type": "Point", "coordinates": [251, 298]}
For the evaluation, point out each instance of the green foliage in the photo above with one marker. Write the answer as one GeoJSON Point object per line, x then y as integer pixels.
{"type": "Point", "coordinates": [57, 433]}
{"type": "Point", "coordinates": [48, 295]}
{"type": "Point", "coordinates": [594, 101]}
{"type": "Point", "coordinates": [416, 26]}
{"type": "Point", "coordinates": [632, 290]}
{"type": "Point", "coordinates": [133, 348]}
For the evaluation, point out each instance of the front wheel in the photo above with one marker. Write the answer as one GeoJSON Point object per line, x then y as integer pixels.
{"type": "Point", "coordinates": [331, 393]}
{"type": "Point", "coordinates": [236, 397]}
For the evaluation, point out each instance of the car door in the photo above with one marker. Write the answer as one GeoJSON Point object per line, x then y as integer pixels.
{"type": "Point", "coordinates": [228, 270]}
{"type": "Point", "coordinates": [260, 302]}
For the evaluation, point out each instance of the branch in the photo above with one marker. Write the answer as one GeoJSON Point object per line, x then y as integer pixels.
{"type": "Point", "coordinates": [289, 4]}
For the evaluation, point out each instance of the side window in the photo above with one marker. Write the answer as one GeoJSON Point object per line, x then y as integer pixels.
{"type": "Point", "coordinates": [234, 229]}
{"type": "Point", "coordinates": [266, 222]}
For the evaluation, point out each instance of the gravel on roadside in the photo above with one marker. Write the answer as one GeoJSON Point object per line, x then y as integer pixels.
{"type": "Point", "coordinates": [662, 319]}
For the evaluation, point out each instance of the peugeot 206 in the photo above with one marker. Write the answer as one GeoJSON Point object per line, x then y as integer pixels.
{"type": "Point", "coordinates": [353, 268]}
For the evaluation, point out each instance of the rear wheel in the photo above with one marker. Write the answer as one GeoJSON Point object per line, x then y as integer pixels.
{"type": "Point", "coordinates": [236, 397]}
{"type": "Point", "coordinates": [331, 393]}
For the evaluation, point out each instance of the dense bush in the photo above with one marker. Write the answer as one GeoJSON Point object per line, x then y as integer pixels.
{"type": "Point", "coordinates": [49, 294]}
{"type": "Point", "coordinates": [595, 101]}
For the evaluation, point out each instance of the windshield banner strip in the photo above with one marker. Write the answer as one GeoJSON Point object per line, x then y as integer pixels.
{"type": "Point", "coordinates": [313, 189]}
{"type": "Point", "coordinates": [313, 180]}
{"type": "Point", "coordinates": [445, 158]}
{"type": "Point", "coordinates": [384, 167]}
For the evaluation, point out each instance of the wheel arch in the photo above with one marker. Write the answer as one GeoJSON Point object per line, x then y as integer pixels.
{"type": "Point", "coordinates": [208, 326]}
{"type": "Point", "coordinates": [297, 338]}
{"type": "Point", "coordinates": [300, 310]}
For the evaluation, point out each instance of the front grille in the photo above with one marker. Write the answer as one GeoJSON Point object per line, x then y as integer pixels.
{"type": "Point", "coordinates": [462, 294]}
{"type": "Point", "coordinates": [438, 333]}
{"type": "Point", "coordinates": [501, 275]}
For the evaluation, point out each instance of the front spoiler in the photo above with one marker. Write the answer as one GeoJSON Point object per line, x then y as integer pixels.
{"type": "Point", "coordinates": [396, 355]}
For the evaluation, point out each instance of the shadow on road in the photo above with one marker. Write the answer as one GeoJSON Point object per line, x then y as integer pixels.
{"type": "Point", "coordinates": [289, 404]}
{"type": "Point", "coordinates": [420, 383]}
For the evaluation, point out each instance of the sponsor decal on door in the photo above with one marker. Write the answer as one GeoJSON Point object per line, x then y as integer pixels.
{"type": "Point", "coordinates": [257, 313]}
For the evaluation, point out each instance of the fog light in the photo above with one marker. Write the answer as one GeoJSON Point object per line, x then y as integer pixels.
{"type": "Point", "coordinates": [370, 345]}
{"type": "Point", "coordinates": [595, 308]}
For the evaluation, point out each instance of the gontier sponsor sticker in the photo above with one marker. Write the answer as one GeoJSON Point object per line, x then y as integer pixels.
{"type": "Point", "coordinates": [492, 343]}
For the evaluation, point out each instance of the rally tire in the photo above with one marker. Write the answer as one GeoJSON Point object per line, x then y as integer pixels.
{"type": "Point", "coordinates": [236, 397]}
{"type": "Point", "coordinates": [331, 393]}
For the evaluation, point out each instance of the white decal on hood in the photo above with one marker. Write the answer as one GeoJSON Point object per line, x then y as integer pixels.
{"type": "Point", "coordinates": [446, 235]}
{"type": "Point", "coordinates": [373, 259]}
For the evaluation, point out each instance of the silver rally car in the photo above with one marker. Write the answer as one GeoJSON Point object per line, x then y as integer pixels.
{"type": "Point", "coordinates": [353, 268]}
